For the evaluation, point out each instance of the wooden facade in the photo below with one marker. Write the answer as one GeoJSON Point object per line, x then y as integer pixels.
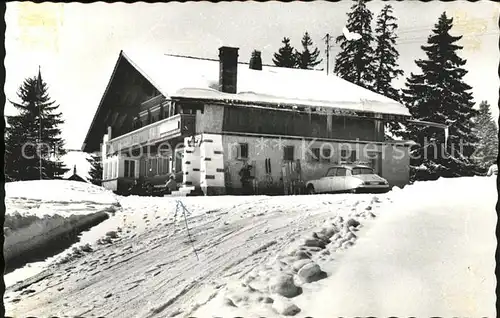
{"type": "Point", "coordinates": [293, 123]}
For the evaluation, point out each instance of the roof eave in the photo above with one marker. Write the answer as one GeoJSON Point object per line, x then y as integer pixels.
{"type": "Point", "coordinates": [263, 103]}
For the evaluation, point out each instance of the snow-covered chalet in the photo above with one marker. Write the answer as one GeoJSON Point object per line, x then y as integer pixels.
{"type": "Point", "coordinates": [205, 119]}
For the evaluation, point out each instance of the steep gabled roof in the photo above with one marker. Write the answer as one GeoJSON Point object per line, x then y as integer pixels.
{"type": "Point", "coordinates": [177, 76]}
{"type": "Point", "coordinates": [190, 77]}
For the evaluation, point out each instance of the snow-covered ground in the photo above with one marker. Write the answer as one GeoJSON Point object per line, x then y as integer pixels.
{"type": "Point", "coordinates": [432, 242]}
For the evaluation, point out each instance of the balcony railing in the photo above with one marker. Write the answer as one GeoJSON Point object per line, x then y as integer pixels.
{"type": "Point", "coordinates": [165, 129]}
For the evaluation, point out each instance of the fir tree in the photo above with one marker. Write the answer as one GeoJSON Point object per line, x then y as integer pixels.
{"type": "Point", "coordinates": [95, 172]}
{"type": "Point", "coordinates": [308, 58]}
{"type": "Point", "coordinates": [487, 133]}
{"type": "Point", "coordinates": [385, 58]}
{"type": "Point", "coordinates": [354, 62]}
{"type": "Point", "coordinates": [440, 95]}
{"type": "Point", "coordinates": [386, 55]}
{"type": "Point", "coordinates": [285, 56]}
{"type": "Point", "coordinates": [34, 134]}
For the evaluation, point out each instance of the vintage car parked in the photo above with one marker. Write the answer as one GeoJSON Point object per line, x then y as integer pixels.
{"type": "Point", "coordinates": [352, 178]}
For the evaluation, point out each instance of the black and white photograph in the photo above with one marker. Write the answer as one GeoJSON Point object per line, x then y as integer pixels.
{"type": "Point", "coordinates": [251, 159]}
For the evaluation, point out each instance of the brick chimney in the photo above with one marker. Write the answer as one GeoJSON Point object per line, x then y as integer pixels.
{"type": "Point", "coordinates": [228, 73]}
{"type": "Point", "coordinates": [256, 61]}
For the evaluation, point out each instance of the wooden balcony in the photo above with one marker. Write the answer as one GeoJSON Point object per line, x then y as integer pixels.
{"type": "Point", "coordinates": [165, 129]}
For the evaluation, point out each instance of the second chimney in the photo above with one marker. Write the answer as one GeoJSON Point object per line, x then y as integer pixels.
{"type": "Point", "coordinates": [256, 61]}
{"type": "Point", "coordinates": [228, 73]}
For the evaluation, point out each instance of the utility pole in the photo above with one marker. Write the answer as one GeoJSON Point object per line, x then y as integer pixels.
{"type": "Point", "coordinates": [327, 42]}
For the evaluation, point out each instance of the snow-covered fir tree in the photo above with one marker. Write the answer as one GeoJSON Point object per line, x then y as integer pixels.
{"type": "Point", "coordinates": [440, 95]}
{"type": "Point", "coordinates": [354, 62]}
{"type": "Point", "coordinates": [34, 133]}
{"type": "Point", "coordinates": [308, 58]}
{"type": "Point", "coordinates": [487, 133]}
{"type": "Point", "coordinates": [95, 172]}
{"type": "Point", "coordinates": [285, 57]}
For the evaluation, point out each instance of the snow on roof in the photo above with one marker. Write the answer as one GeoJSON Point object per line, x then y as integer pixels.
{"type": "Point", "coordinates": [177, 76]}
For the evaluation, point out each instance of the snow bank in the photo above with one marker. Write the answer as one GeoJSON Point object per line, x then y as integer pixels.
{"type": "Point", "coordinates": [42, 234]}
{"type": "Point", "coordinates": [42, 216]}
{"type": "Point", "coordinates": [434, 258]}
{"type": "Point", "coordinates": [60, 191]}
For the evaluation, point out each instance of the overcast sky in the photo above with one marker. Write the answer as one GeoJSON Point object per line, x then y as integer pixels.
{"type": "Point", "coordinates": [77, 45]}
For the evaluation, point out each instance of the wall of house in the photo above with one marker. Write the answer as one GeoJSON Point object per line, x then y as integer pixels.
{"type": "Point", "coordinates": [210, 120]}
{"type": "Point", "coordinates": [203, 163]}
{"type": "Point", "coordinates": [303, 150]}
{"type": "Point", "coordinates": [212, 178]}
{"type": "Point", "coordinates": [396, 165]}
{"type": "Point", "coordinates": [191, 162]}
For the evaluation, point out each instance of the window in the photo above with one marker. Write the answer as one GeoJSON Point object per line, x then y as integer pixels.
{"type": "Point", "coordinates": [113, 169]}
{"type": "Point", "coordinates": [331, 172]}
{"type": "Point", "coordinates": [143, 168]}
{"type": "Point", "coordinates": [129, 171]}
{"type": "Point", "coordinates": [178, 161]}
{"type": "Point", "coordinates": [165, 166]}
{"type": "Point", "coordinates": [354, 156]}
{"type": "Point", "coordinates": [288, 153]}
{"type": "Point", "coordinates": [343, 155]}
{"type": "Point", "coordinates": [348, 155]}
{"type": "Point", "coordinates": [341, 172]}
{"type": "Point", "coordinates": [315, 155]}
{"type": "Point", "coordinates": [243, 151]}
{"type": "Point", "coordinates": [326, 155]}
{"type": "Point", "coordinates": [162, 112]}
{"type": "Point", "coordinates": [132, 169]}
{"type": "Point", "coordinates": [105, 170]}
{"type": "Point", "coordinates": [153, 168]}
{"type": "Point", "coordinates": [361, 170]}
{"type": "Point", "coordinates": [126, 164]}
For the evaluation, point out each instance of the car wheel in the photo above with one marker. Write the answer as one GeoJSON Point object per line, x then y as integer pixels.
{"type": "Point", "coordinates": [354, 191]}
{"type": "Point", "coordinates": [310, 189]}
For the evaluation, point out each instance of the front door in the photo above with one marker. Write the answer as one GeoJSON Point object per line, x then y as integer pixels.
{"type": "Point", "coordinates": [179, 154]}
